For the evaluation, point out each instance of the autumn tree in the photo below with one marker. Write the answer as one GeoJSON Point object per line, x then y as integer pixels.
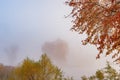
{"type": "Point", "coordinates": [100, 21]}
{"type": "Point", "coordinates": [38, 70]}
{"type": "Point", "coordinates": [107, 73]}
{"type": "Point", "coordinates": [110, 72]}
{"type": "Point", "coordinates": [84, 78]}
{"type": "Point", "coordinates": [5, 72]}
{"type": "Point", "coordinates": [99, 75]}
{"type": "Point", "coordinates": [49, 71]}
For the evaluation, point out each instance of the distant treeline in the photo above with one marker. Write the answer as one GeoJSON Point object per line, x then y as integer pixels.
{"type": "Point", "coordinates": [42, 69]}
{"type": "Point", "coordinates": [107, 73]}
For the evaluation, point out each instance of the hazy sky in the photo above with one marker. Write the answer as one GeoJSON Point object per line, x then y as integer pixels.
{"type": "Point", "coordinates": [28, 24]}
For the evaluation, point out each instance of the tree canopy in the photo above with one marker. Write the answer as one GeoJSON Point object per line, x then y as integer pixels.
{"type": "Point", "coordinates": [43, 69]}
{"type": "Point", "coordinates": [100, 20]}
{"type": "Point", "coordinates": [107, 73]}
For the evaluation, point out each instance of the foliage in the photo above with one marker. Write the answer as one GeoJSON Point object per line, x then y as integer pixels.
{"type": "Point", "coordinates": [38, 70]}
{"type": "Point", "coordinates": [100, 21]}
{"type": "Point", "coordinates": [107, 73]}
{"type": "Point", "coordinates": [5, 72]}
{"type": "Point", "coordinates": [99, 75]}
{"type": "Point", "coordinates": [84, 78]}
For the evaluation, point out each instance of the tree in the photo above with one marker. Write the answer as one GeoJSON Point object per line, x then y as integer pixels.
{"type": "Point", "coordinates": [5, 72]}
{"type": "Point", "coordinates": [38, 70]}
{"type": "Point", "coordinates": [84, 78]}
{"type": "Point", "coordinates": [99, 75]}
{"type": "Point", "coordinates": [27, 71]}
{"type": "Point", "coordinates": [100, 21]}
{"type": "Point", "coordinates": [49, 71]}
{"type": "Point", "coordinates": [107, 73]}
{"type": "Point", "coordinates": [110, 72]}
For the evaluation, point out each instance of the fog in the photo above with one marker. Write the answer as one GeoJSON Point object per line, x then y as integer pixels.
{"type": "Point", "coordinates": [29, 28]}
{"type": "Point", "coordinates": [56, 50]}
